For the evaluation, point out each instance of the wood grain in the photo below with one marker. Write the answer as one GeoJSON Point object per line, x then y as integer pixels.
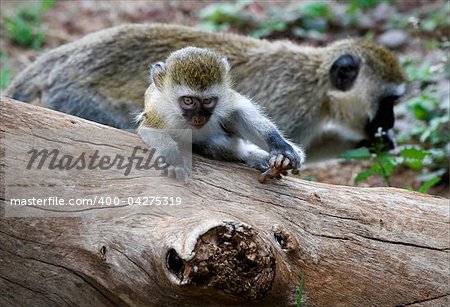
{"type": "Point", "coordinates": [232, 241]}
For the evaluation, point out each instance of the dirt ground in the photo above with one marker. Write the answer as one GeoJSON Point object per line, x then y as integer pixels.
{"type": "Point", "coordinates": [70, 20]}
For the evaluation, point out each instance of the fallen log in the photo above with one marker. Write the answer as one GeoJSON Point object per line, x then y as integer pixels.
{"type": "Point", "coordinates": [230, 240]}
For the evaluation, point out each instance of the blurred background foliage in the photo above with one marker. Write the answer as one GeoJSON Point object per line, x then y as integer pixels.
{"type": "Point", "coordinates": [418, 31]}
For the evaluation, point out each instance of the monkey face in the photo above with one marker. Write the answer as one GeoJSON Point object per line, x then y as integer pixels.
{"type": "Point", "coordinates": [196, 110]}
{"type": "Point", "coordinates": [382, 123]}
{"type": "Point", "coordinates": [366, 94]}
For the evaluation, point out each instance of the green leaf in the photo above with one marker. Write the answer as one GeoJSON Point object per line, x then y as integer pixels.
{"type": "Point", "coordinates": [310, 178]}
{"type": "Point", "coordinates": [429, 25]}
{"type": "Point", "coordinates": [364, 175]}
{"type": "Point", "coordinates": [428, 176]}
{"type": "Point", "coordinates": [420, 112]}
{"type": "Point", "coordinates": [428, 184]}
{"type": "Point", "coordinates": [414, 153]}
{"type": "Point", "coordinates": [5, 77]}
{"type": "Point", "coordinates": [387, 162]}
{"type": "Point", "coordinates": [414, 157]}
{"type": "Point", "coordinates": [361, 153]}
{"type": "Point", "coordinates": [312, 9]}
{"type": "Point", "coordinates": [47, 4]}
{"type": "Point", "coordinates": [413, 164]}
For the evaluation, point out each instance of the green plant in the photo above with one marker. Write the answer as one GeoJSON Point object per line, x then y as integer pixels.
{"type": "Point", "coordinates": [222, 16]}
{"type": "Point", "coordinates": [5, 73]}
{"type": "Point", "coordinates": [423, 142]}
{"type": "Point", "coordinates": [304, 19]}
{"type": "Point", "coordinates": [425, 21]}
{"type": "Point", "coordinates": [428, 118]}
{"type": "Point", "coordinates": [356, 5]}
{"type": "Point", "coordinates": [24, 27]}
{"type": "Point", "coordinates": [382, 162]}
{"type": "Point", "coordinates": [436, 19]}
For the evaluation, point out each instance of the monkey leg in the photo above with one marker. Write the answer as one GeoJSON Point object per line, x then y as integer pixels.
{"type": "Point", "coordinates": [90, 105]}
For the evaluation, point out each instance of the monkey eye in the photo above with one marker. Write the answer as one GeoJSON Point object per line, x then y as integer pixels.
{"type": "Point", "coordinates": [209, 101]}
{"type": "Point", "coordinates": [344, 71]}
{"type": "Point", "coordinates": [187, 100]}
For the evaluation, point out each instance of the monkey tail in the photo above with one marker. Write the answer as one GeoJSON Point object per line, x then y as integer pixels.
{"type": "Point", "coordinates": [26, 86]}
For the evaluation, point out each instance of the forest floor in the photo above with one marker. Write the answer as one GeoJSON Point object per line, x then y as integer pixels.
{"type": "Point", "coordinates": [67, 21]}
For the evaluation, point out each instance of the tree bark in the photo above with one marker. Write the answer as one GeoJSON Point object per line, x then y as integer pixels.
{"type": "Point", "coordinates": [231, 241]}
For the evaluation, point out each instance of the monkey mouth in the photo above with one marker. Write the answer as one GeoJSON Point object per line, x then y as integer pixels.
{"type": "Point", "coordinates": [198, 122]}
{"type": "Point", "coordinates": [198, 126]}
{"type": "Point", "coordinates": [387, 138]}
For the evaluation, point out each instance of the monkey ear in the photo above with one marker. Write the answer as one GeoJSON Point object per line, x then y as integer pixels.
{"type": "Point", "coordinates": [157, 74]}
{"type": "Point", "coordinates": [344, 71]}
{"type": "Point", "coordinates": [225, 64]}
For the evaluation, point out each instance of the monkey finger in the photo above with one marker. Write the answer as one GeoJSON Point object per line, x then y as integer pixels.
{"type": "Point", "coordinates": [295, 171]}
{"type": "Point", "coordinates": [266, 174]}
{"type": "Point", "coordinates": [279, 160]}
{"type": "Point", "coordinates": [274, 172]}
{"type": "Point", "coordinates": [278, 173]}
{"type": "Point", "coordinates": [171, 172]}
{"type": "Point", "coordinates": [164, 172]}
{"type": "Point", "coordinates": [272, 161]}
{"type": "Point", "coordinates": [179, 173]}
{"type": "Point", "coordinates": [285, 164]}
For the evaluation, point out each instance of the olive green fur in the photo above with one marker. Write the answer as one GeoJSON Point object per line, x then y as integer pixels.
{"type": "Point", "coordinates": [153, 119]}
{"type": "Point", "coordinates": [195, 68]}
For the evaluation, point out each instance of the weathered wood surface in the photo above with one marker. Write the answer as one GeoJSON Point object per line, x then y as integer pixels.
{"type": "Point", "coordinates": [231, 241]}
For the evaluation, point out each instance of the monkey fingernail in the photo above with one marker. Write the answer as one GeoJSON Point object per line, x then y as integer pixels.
{"type": "Point", "coordinates": [286, 162]}
{"type": "Point", "coordinates": [279, 160]}
{"type": "Point", "coordinates": [272, 161]}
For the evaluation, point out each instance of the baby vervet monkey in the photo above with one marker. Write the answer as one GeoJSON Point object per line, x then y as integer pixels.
{"type": "Point", "coordinates": [192, 91]}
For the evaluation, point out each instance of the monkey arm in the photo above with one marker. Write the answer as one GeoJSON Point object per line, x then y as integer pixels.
{"type": "Point", "coordinates": [249, 123]}
{"type": "Point", "coordinates": [166, 147]}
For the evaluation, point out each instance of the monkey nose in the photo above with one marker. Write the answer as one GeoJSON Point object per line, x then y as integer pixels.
{"type": "Point", "coordinates": [198, 121]}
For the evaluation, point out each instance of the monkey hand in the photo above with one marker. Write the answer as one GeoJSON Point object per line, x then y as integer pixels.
{"type": "Point", "coordinates": [282, 160]}
{"type": "Point", "coordinates": [178, 172]}
{"type": "Point", "coordinates": [175, 167]}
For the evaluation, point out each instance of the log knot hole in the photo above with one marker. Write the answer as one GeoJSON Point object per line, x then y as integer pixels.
{"type": "Point", "coordinates": [285, 240]}
{"type": "Point", "coordinates": [231, 258]}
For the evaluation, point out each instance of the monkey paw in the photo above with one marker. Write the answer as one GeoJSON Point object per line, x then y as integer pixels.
{"type": "Point", "coordinates": [280, 163]}
{"type": "Point", "coordinates": [180, 173]}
